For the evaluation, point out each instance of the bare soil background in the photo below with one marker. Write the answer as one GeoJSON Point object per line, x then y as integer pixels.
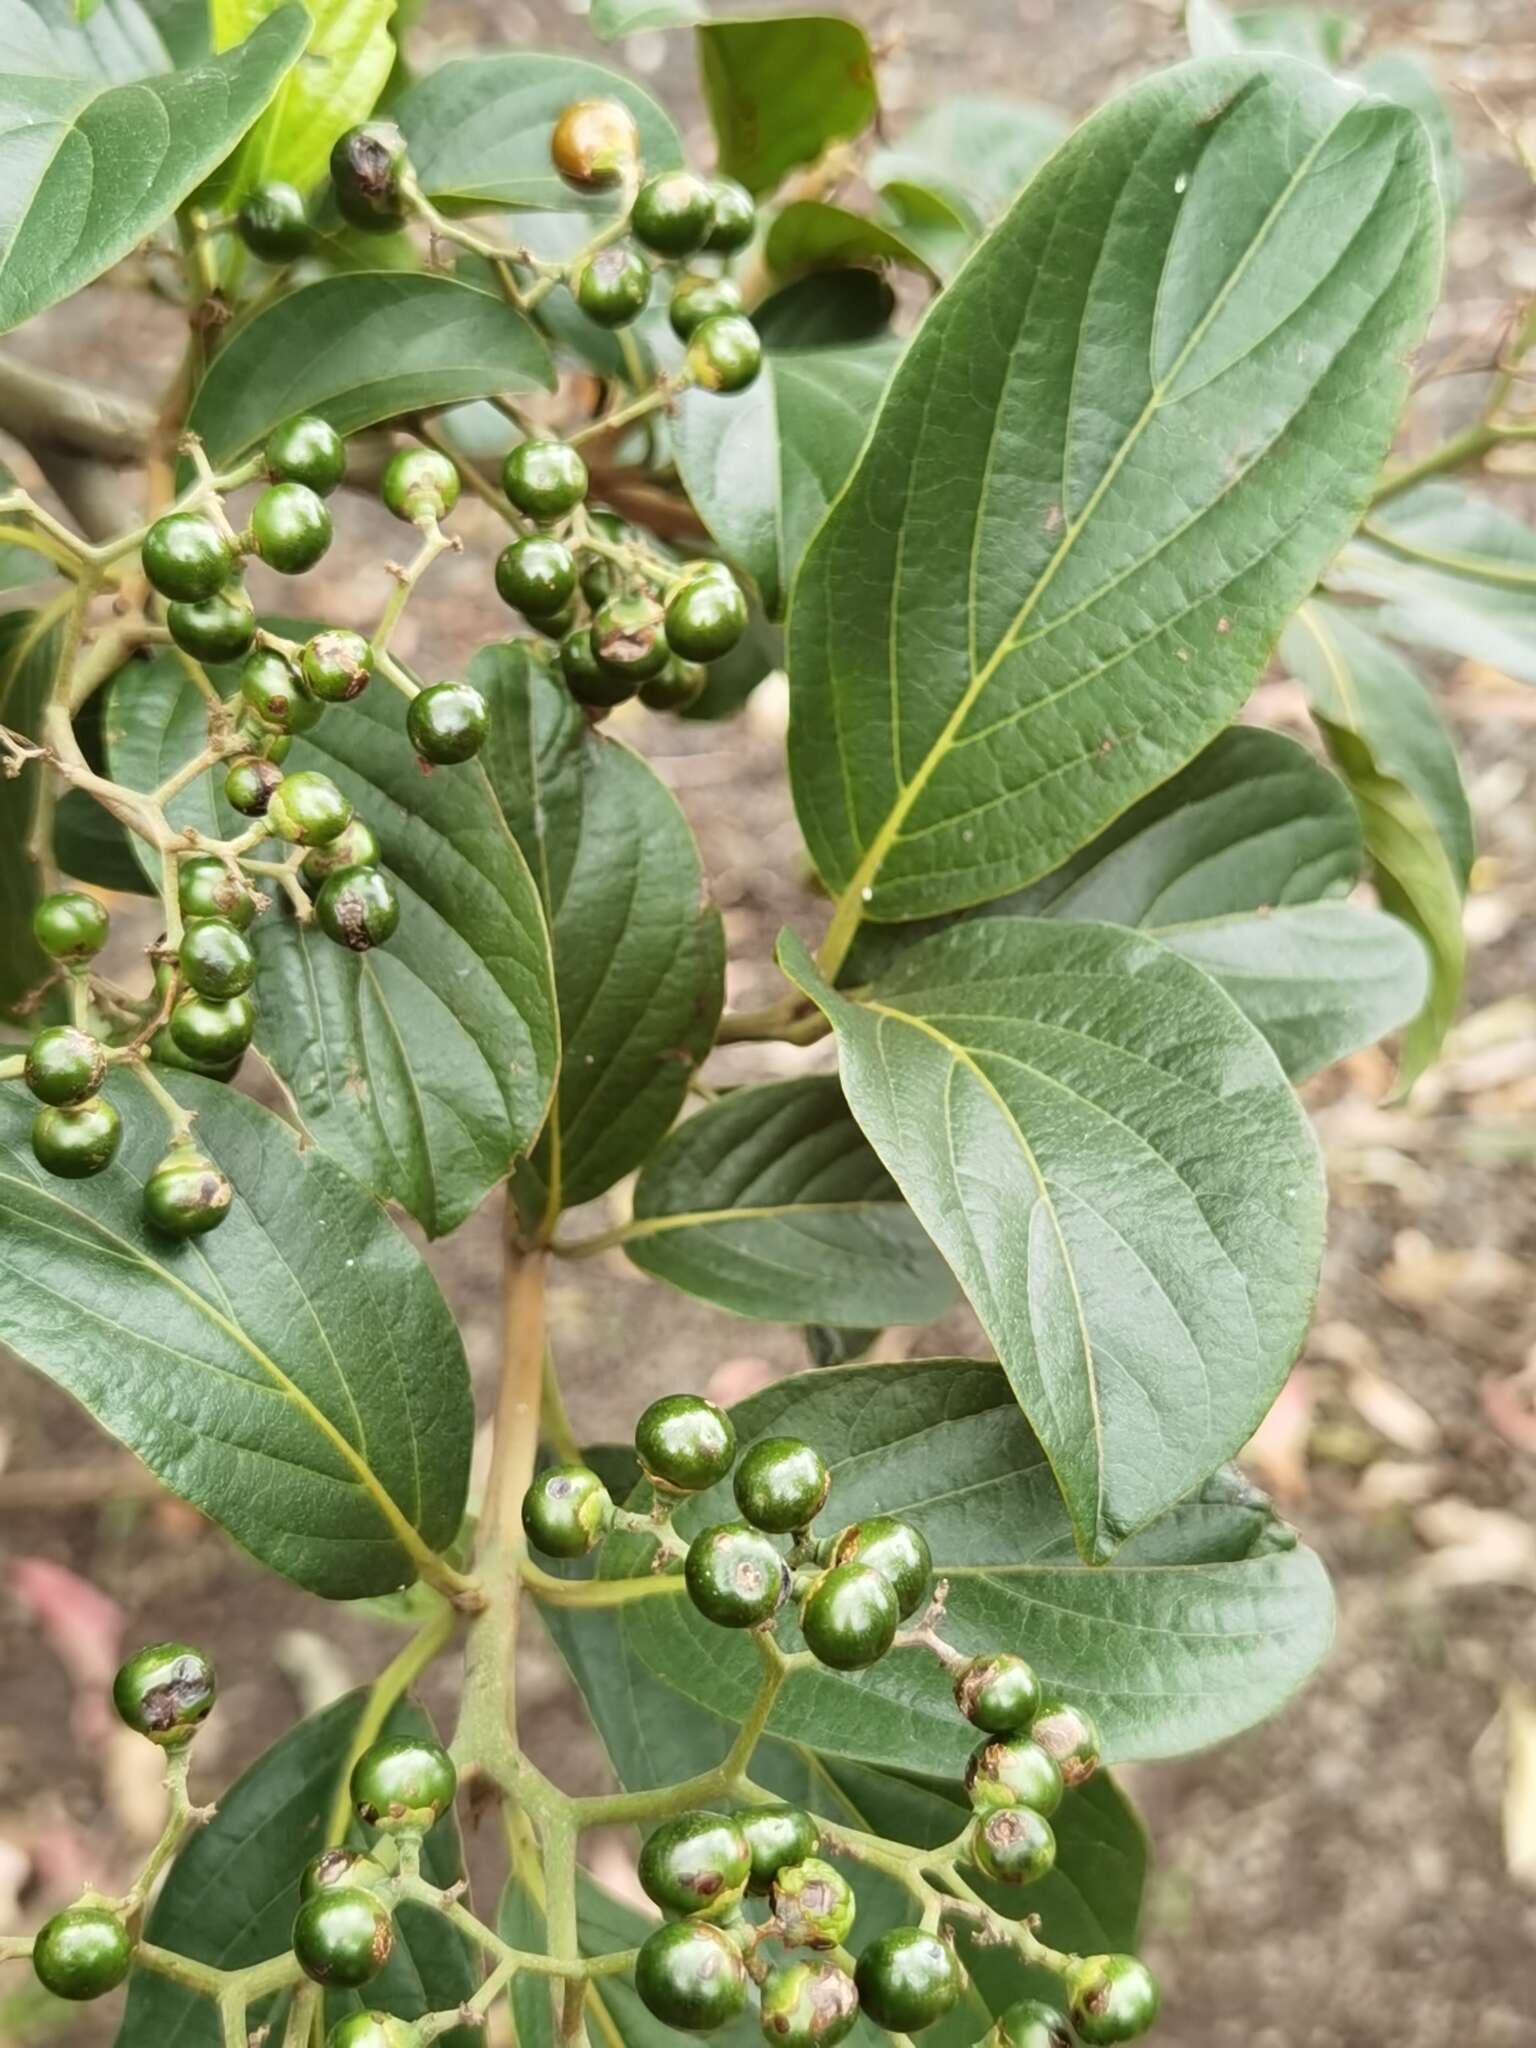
{"type": "Point", "coordinates": [1339, 1877]}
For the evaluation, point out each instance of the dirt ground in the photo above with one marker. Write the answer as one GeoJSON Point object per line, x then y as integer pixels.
{"type": "Point", "coordinates": [1360, 1873]}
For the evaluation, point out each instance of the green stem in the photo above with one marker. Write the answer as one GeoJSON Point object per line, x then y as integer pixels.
{"type": "Point", "coordinates": [429, 1641]}
{"type": "Point", "coordinates": [180, 1821]}
{"type": "Point", "coordinates": [179, 1119]}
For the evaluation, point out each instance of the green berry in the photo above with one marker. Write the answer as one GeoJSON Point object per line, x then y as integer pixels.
{"type": "Point", "coordinates": [781, 1484]}
{"type": "Point", "coordinates": [557, 625]}
{"type": "Point", "coordinates": [673, 213]}
{"type": "Point", "coordinates": [357, 847]}
{"type": "Point", "coordinates": [447, 722]}
{"type": "Point", "coordinates": [733, 217]}
{"type": "Point", "coordinates": [291, 527]}
{"type": "Point", "coordinates": [907, 1979]}
{"type": "Point", "coordinates": [272, 222]}
{"type": "Point", "coordinates": [343, 1937]}
{"type": "Point", "coordinates": [1029, 2024]}
{"type": "Point", "coordinates": [336, 665]}
{"type": "Point", "coordinates": [64, 1066]}
{"type": "Point", "coordinates": [249, 783]}
{"type": "Point", "coordinates": [367, 165]}
{"type": "Point", "coordinates": [706, 618]}
{"type": "Point", "coordinates": [849, 1617]}
{"type": "Point", "coordinates": [70, 926]}
{"type": "Point", "coordinates": [1066, 1733]}
{"type": "Point", "coordinates": [613, 286]}
{"type": "Point", "coordinates": [357, 908]}
{"type": "Point", "coordinates": [74, 1143]}
{"type": "Point", "coordinates": [585, 676]}
{"type": "Point", "coordinates": [685, 1444]}
{"type": "Point", "coordinates": [213, 1033]}
{"type": "Point", "coordinates": [220, 628]}
{"type": "Point", "coordinates": [628, 637]}
{"type": "Point", "coordinates": [307, 450]}
{"type": "Point", "coordinates": [1013, 1770]}
{"type": "Point", "coordinates": [307, 809]}
{"type": "Point", "coordinates": [332, 1867]}
{"type": "Point", "coordinates": [276, 746]}
{"type": "Point", "coordinates": [678, 685]}
{"type": "Point", "coordinates": [206, 888]}
{"type": "Point", "coordinates": [165, 1052]}
{"type": "Point", "coordinates": [697, 299]}
{"type": "Point", "coordinates": [599, 576]}
{"type": "Point", "coordinates": [402, 1785]}
{"type": "Point", "coordinates": [895, 1549]}
{"type": "Point", "coordinates": [813, 1904]}
{"type": "Point", "coordinates": [165, 1692]}
{"type": "Point", "coordinates": [998, 1693]}
{"type": "Point", "coordinates": [595, 144]}
{"type": "Point", "coordinates": [275, 691]}
{"type": "Point", "coordinates": [82, 1953]}
{"type": "Point", "coordinates": [724, 353]}
{"type": "Point", "coordinates": [697, 1864]}
{"type": "Point", "coordinates": [215, 958]}
{"type": "Point", "coordinates": [1111, 1998]}
{"type": "Point", "coordinates": [808, 2005]}
{"type": "Point", "coordinates": [186, 557]}
{"type": "Point", "coordinates": [1013, 1844]}
{"type": "Point", "coordinates": [536, 576]}
{"type": "Point", "coordinates": [690, 1976]}
{"type": "Point", "coordinates": [735, 1577]}
{"type": "Point", "coordinates": [566, 1511]}
{"type": "Point", "coordinates": [186, 1194]}
{"type": "Point", "coordinates": [777, 1835]}
{"type": "Point", "coordinates": [373, 2030]}
{"type": "Point", "coordinates": [544, 479]}
{"type": "Point", "coordinates": [420, 484]}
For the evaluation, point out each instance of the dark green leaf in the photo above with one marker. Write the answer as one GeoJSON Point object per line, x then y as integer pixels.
{"type": "Point", "coordinates": [28, 653]}
{"type": "Point", "coordinates": [826, 311]}
{"type": "Point", "coordinates": [770, 1203]}
{"type": "Point", "coordinates": [825, 1344]}
{"type": "Point", "coordinates": [812, 234]}
{"type": "Point", "coordinates": [612, 18]}
{"type": "Point", "coordinates": [183, 26]}
{"type": "Point", "coordinates": [977, 149]}
{"type": "Point", "coordinates": [780, 91]}
{"type": "Point", "coordinates": [118, 42]}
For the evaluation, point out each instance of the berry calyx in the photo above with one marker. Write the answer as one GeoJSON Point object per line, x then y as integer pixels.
{"type": "Point", "coordinates": [724, 353]}
{"type": "Point", "coordinates": [367, 165]}
{"type": "Point", "coordinates": [696, 1865]}
{"type": "Point", "coordinates": [307, 809]}
{"type": "Point", "coordinates": [74, 1143]}
{"type": "Point", "coordinates": [628, 637]}
{"type": "Point", "coordinates": [1066, 1733]}
{"type": "Point", "coordinates": [735, 1577]}
{"type": "Point", "coordinates": [340, 1866]}
{"type": "Point", "coordinates": [849, 1617]}
{"type": "Point", "coordinates": [373, 2030]}
{"type": "Point", "coordinates": [907, 1979]}
{"type": "Point", "coordinates": [216, 958]}
{"type": "Point", "coordinates": [536, 576]}
{"type": "Point", "coordinates": [306, 450]}
{"type": "Point", "coordinates": [706, 617]}
{"type": "Point", "coordinates": [595, 143]}
{"type": "Point", "coordinates": [999, 1693]}
{"type": "Point", "coordinates": [566, 1511]}
{"type": "Point", "coordinates": [808, 2005]}
{"type": "Point", "coordinates": [165, 1692]}
{"type": "Point", "coordinates": [402, 1785]}
{"type": "Point", "coordinates": [588, 681]}
{"type": "Point", "coordinates": [733, 216]}
{"type": "Point", "coordinates": [1111, 1998]}
{"type": "Point", "coordinates": [813, 1904]}
{"type": "Point", "coordinates": [290, 527]}
{"type": "Point", "coordinates": [275, 691]}
{"type": "Point", "coordinates": [1029, 2024]}
{"type": "Point", "coordinates": [206, 888]}
{"type": "Point", "coordinates": [776, 1836]}
{"type": "Point", "coordinates": [272, 222]}
{"type": "Point", "coordinates": [781, 1484]}
{"type": "Point", "coordinates": [357, 847]}
{"type": "Point", "coordinates": [690, 1976]}
{"type": "Point", "coordinates": [1013, 1770]}
{"type": "Point", "coordinates": [64, 1066]}
{"type": "Point", "coordinates": [673, 213]}
{"type": "Point", "coordinates": [420, 484]}
{"type": "Point", "coordinates": [70, 926]}
{"type": "Point", "coordinates": [336, 665]}
{"type": "Point", "coordinates": [697, 299]}
{"type": "Point", "coordinates": [213, 1033]}
{"type": "Point", "coordinates": [186, 557]}
{"type": "Point", "coordinates": [613, 286]}
{"type": "Point", "coordinates": [82, 1953]}
{"type": "Point", "coordinates": [685, 1443]}
{"type": "Point", "coordinates": [342, 1937]}
{"type": "Point", "coordinates": [544, 479]}
{"type": "Point", "coordinates": [186, 1194]}
{"type": "Point", "coordinates": [219, 628]}
{"type": "Point", "coordinates": [357, 908]}
{"type": "Point", "coordinates": [1013, 1844]}
{"type": "Point", "coordinates": [894, 1549]}
{"type": "Point", "coordinates": [447, 722]}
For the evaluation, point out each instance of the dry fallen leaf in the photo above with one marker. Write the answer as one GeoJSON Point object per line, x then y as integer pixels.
{"type": "Point", "coordinates": [1277, 1450]}
{"type": "Point", "coordinates": [1475, 1546]}
{"type": "Point", "coordinates": [1519, 1804]}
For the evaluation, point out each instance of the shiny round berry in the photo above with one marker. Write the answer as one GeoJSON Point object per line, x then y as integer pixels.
{"type": "Point", "coordinates": [613, 286]}
{"type": "Point", "coordinates": [1013, 1770]}
{"type": "Point", "coordinates": [307, 809]}
{"type": "Point", "coordinates": [733, 217]}
{"type": "Point", "coordinates": [249, 783]}
{"type": "Point", "coordinates": [998, 1693]}
{"type": "Point", "coordinates": [628, 637]}
{"type": "Point", "coordinates": [307, 450]}
{"type": "Point", "coordinates": [724, 353]}
{"type": "Point", "coordinates": [808, 2005]}
{"type": "Point", "coordinates": [275, 691]}
{"type": "Point", "coordinates": [420, 484]}
{"type": "Point", "coordinates": [1029, 2024]}
{"type": "Point", "coordinates": [206, 888]}
{"type": "Point", "coordinates": [447, 722]}
{"type": "Point", "coordinates": [166, 1692]}
{"type": "Point", "coordinates": [735, 1577]}
{"type": "Point", "coordinates": [907, 1979]}
{"type": "Point", "coordinates": [70, 926]}
{"type": "Point", "coordinates": [595, 144]}
{"type": "Point", "coordinates": [776, 1835]}
{"type": "Point", "coordinates": [599, 575]}
{"type": "Point", "coordinates": [555, 625]}
{"type": "Point", "coordinates": [697, 299]}
{"type": "Point", "coordinates": [74, 1143]}
{"type": "Point", "coordinates": [82, 1953]}
{"type": "Point", "coordinates": [367, 164]}
{"type": "Point", "coordinates": [706, 618]}
{"type": "Point", "coordinates": [696, 1865]}
{"type": "Point", "coordinates": [336, 665]}
{"type": "Point", "coordinates": [895, 1549]}
{"type": "Point", "coordinates": [566, 1511]}
{"type": "Point", "coordinates": [678, 685]}
{"type": "Point", "coordinates": [212, 1032]}
{"type": "Point", "coordinates": [357, 908]}
{"type": "Point", "coordinates": [340, 1866]}
{"type": "Point", "coordinates": [357, 847]}
{"type": "Point", "coordinates": [1066, 1733]}
{"type": "Point", "coordinates": [1013, 1844]}
{"type": "Point", "coordinates": [219, 628]}
{"type": "Point", "coordinates": [215, 958]}
{"type": "Point", "coordinates": [186, 557]}
{"type": "Point", "coordinates": [165, 1052]}
{"type": "Point", "coordinates": [1111, 1998]}
{"type": "Point", "coordinates": [585, 676]}
{"type": "Point", "coordinates": [402, 1785]}
{"type": "Point", "coordinates": [813, 1903]}
{"type": "Point", "coordinates": [536, 576]}
{"type": "Point", "coordinates": [373, 2030]}
{"type": "Point", "coordinates": [291, 528]}
{"type": "Point", "coordinates": [685, 1443]}
{"type": "Point", "coordinates": [64, 1065]}
{"type": "Point", "coordinates": [690, 1976]}
{"type": "Point", "coordinates": [272, 222]}
{"type": "Point", "coordinates": [781, 1484]}
{"type": "Point", "coordinates": [673, 213]}
{"type": "Point", "coordinates": [544, 479]}
{"type": "Point", "coordinates": [186, 1194]}
{"type": "Point", "coordinates": [849, 1617]}
{"type": "Point", "coordinates": [343, 1937]}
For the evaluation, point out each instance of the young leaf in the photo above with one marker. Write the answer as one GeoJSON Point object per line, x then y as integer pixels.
{"type": "Point", "coordinates": [296, 1375]}
{"type": "Point", "coordinates": [813, 234]}
{"type": "Point", "coordinates": [28, 652]}
{"type": "Point", "coordinates": [770, 1203]}
{"type": "Point", "coordinates": [978, 150]}
{"type": "Point", "coordinates": [780, 91]}
{"type": "Point", "coordinates": [90, 167]}
{"type": "Point", "coordinates": [1097, 487]}
{"type": "Point", "coordinates": [614, 18]}
{"type": "Point", "coordinates": [1109, 1157]}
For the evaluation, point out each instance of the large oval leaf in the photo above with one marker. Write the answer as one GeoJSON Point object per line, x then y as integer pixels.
{"type": "Point", "coordinates": [780, 91]}
{"type": "Point", "coordinates": [1111, 1160]}
{"type": "Point", "coordinates": [1121, 448]}
{"type": "Point", "coordinates": [296, 1374]}
{"type": "Point", "coordinates": [28, 654]}
{"type": "Point", "coordinates": [117, 40]}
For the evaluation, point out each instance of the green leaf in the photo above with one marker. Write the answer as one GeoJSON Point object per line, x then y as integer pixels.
{"type": "Point", "coordinates": [812, 234]}
{"type": "Point", "coordinates": [1316, 35]}
{"type": "Point", "coordinates": [763, 466]}
{"type": "Point", "coordinates": [1403, 76]}
{"type": "Point", "coordinates": [479, 128]}
{"type": "Point", "coordinates": [28, 653]}
{"type": "Point", "coordinates": [296, 1375]}
{"type": "Point", "coordinates": [91, 167]}
{"type": "Point", "coordinates": [826, 311]}
{"type": "Point", "coordinates": [233, 1892]}
{"type": "Point", "coordinates": [977, 149]}
{"type": "Point", "coordinates": [639, 955]}
{"type": "Point", "coordinates": [779, 92]}
{"type": "Point", "coordinates": [1097, 487]}
{"type": "Point", "coordinates": [117, 41]}
{"type": "Point", "coordinates": [1381, 729]}
{"type": "Point", "coordinates": [770, 1203]}
{"type": "Point", "coordinates": [411, 342]}
{"type": "Point", "coordinates": [613, 18]}
{"type": "Point", "coordinates": [1109, 1157]}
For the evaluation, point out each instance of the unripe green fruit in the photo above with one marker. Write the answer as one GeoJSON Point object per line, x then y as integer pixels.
{"type": "Point", "coordinates": [220, 628]}
{"type": "Point", "coordinates": [165, 1692]}
{"type": "Point", "coordinates": [402, 1785]}
{"type": "Point", "coordinates": [332, 1867]}
{"type": "Point", "coordinates": [1013, 1844]}
{"type": "Point", "coordinates": [64, 1065]}
{"type": "Point", "coordinates": [907, 1979]}
{"type": "Point", "coordinates": [733, 216]}
{"type": "Point", "coordinates": [588, 681]}
{"type": "Point", "coordinates": [357, 847]}
{"type": "Point", "coordinates": [696, 1865]}
{"type": "Point", "coordinates": [690, 1976]}
{"type": "Point", "coordinates": [724, 353]}
{"type": "Point", "coordinates": [367, 164]}
{"type": "Point", "coordinates": [536, 576]}
{"type": "Point", "coordinates": [357, 908]}
{"type": "Point", "coordinates": [735, 1577]}
{"type": "Point", "coordinates": [685, 1444]}
{"type": "Point", "coordinates": [999, 1693]}
{"type": "Point", "coordinates": [216, 958]}
{"type": "Point", "coordinates": [1066, 1733]}
{"type": "Point", "coordinates": [776, 1836]}
{"type": "Point", "coordinates": [1029, 2024]}
{"type": "Point", "coordinates": [894, 1549]}
{"type": "Point", "coordinates": [291, 528]}
{"type": "Point", "coordinates": [447, 722]}
{"type": "Point", "coordinates": [343, 1937]}
{"type": "Point", "coordinates": [849, 1617]}
{"type": "Point", "coordinates": [1013, 1770]}
{"type": "Point", "coordinates": [74, 1143]}
{"type": "Point", "coordinates": [1111, 1998]}
{"type": "Point", "coordinates": [206, 888]}
{"type": "Point", "coordinates": [679, 684]}
{"type": "Point", "coordinates": [420, 483]}
{"type": "Point", "coordinates": [808, 2005]}
{"type": "Point", "coordinates": [336, 665]}
{"type": "Point", "coordinates": [594, 144]}
{"type": "Point", "coordinates": [706, 618]}
{"type": "Point", "coordinates": [307, 809]}
{"type": "Point", "coordinates": [70, 926]}
{"type": "Point", "coordinates": [307, 450]}
{"type": "Point", "coordinates": [275, 691]}
{"type": "Point", "coordinates": [673, 213]}
{"type": "Point", "coordinates": [813, 1903]}
{"type": "Point", "coordinates": [544, 479]}
{"type": "Point", "coordinates": [165, 1052]}
{"type": "Point", "coordinates": [186, 1195]}
{"type": "Point", "coordinates": [373, 2030]}
{"type": "Point", "coordinates": [628, 637]}
{"type": "Point", "coordinates": [82, 1953]}
{"type": "Point", "coordinates": [249, 783]}
{"type": "Point", "coordinates": [566, 1511]}
{"type": "Point", "coordinates": [210, 1032]}
{"type": "Point", "coordinates": [613, 286]}
{"type": "Point", "coordinates": [697, 299]}
{"type": "Point", "coordinates": [781, 1484]}
{"type": "Point", "coordinates": [558, 624]}
{"type": "Point", "coordinates": [276, 746]}
{"type": "Point", "coordinates": [599, 576]}
{"type": "Point", "coordinates": [273, 223]}
{"type": "Point", "coordinates": [186, 557]}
